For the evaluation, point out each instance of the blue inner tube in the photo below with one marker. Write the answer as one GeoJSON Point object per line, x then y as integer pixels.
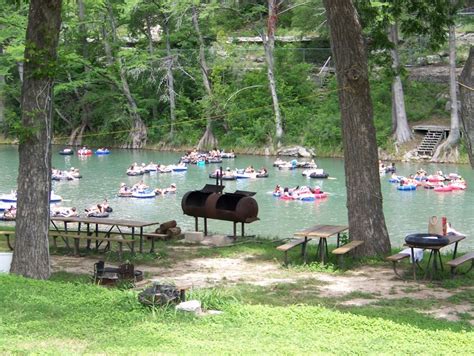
{"type": "Point", "coordinates": [424, 240]}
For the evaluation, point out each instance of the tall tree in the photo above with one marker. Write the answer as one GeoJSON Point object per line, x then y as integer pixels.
{"type": "Point", "coordinates": [208, 139]}
{"type": "Point", "coordinates": [268, 38]}
{"type": "Point", "coordinates": [466, 90]}
{"type": "Point", "coordinates": [31, 255]}
{"type": "Point", "coordinates": [448, 151]}
{"type": "Point", "coordinates": [364, 196]}
{"type": "Point", "coordinates": [384, 20]}
{"type": "Point", "coordinates": [401, 130]}
{"type": "Point", "coordinates": [75, 138]}
{"type": "Point", "coordinates": [138, 134]}
{"type": "Point", "coordinates": [2, 98]}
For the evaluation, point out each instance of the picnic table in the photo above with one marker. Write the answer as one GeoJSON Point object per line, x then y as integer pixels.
{"type": "Point", "coordinates": [435, 255]}
{"type": "Point", "coordinates": [117, 224]}
{"type": "Point", "coordinates": [323, 232]}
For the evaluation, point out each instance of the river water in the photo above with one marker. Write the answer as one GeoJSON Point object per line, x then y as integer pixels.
{"type": "Point", "coordinates": [405, 211]}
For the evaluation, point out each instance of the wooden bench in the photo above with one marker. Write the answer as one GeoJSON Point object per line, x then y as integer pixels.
{"type": "Point", "coordinates": [7, 234]}
{"type": "Point", "coordinates": [341, 251]}
{"type": "Point", "coordinates": [293, 243]}
{"type": "Point", "coordinates": [152, 236]}
{"type": "Point", "coordinates": [78, 237]}
{"type": "Point", "coordinates": [395, 259]}
{"type": "Point", "coordinates": [459, 261]}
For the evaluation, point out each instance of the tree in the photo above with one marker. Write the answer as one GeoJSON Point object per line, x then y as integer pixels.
{"type": "Point", "coordinates": [364, 196]}
{"type": "Point", "coordinates": [448, 150]}
{"type": "Point", "coordinates": [421, 18]}
{"type": "Point", "coordinates": [466, 91]}
{"type": "Point", "coordinates": [268, 39]}
{"type": "Point", "coordinates": [31, 255]}
{"type": "Point", "coordinates": [208, 139]}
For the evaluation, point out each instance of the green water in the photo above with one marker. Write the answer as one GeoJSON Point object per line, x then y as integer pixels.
{"type": "Point", "coordinates": [405, 212]}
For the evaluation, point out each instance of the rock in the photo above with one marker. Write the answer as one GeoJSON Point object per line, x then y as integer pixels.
{"type": "Point", "coordinates": [296, 151]}
{"type": "Point", "coordinates": [191, 306]}
{"type": "Point", "coordinates": [421, 61]}
{"type": "Point", "coordinates": [194, 236]}
{"type": "Point", "coordinates": [433, 59]}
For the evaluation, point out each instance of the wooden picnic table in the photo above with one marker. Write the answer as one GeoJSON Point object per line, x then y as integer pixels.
{"type": "Point", "coordinates": [323, 232]}
{"type": "Point", "coordinates": [435, 255]}
{"type": "Point", "coordinates": [112, 223]}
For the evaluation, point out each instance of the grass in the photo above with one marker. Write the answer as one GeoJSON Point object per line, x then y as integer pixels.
{"type": "Point", "coordinates": [68, 314]}
{"type": "Point", "coordinates": [64, 316]}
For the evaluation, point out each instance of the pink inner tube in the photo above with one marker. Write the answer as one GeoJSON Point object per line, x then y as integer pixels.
{"type": "Point", "coordinates": [321, 195]}
{"type": "Point", "coordinates": [286, 197]}
{"type": "Point", "coordinates": [443, 189]}
{"type": "Point", "coordinates": [435, 179]}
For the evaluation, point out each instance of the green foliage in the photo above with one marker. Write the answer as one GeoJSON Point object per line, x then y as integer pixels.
{"type": "Point", "coordinates": [89, 87]}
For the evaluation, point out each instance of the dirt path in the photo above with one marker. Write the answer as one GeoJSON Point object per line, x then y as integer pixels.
{"type": "Point", "coordinates": [379, 282]}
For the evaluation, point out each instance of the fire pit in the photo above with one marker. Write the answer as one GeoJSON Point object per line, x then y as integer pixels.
{"type": "Point", "coordinates": [160, 294]}
{"type": "Point", "coordinates": [112, 275]}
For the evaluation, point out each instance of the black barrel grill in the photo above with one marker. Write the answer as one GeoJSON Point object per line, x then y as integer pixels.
{"type": "Point", "coordinates": [210, 203]}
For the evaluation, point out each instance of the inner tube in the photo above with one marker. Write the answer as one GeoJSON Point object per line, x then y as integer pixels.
{"type": "Point", "coordinates": [109, 209]}
{"type": "Point", "coordinates": [321, 195]}
{"type": "Point", "coordinates": [406, 187]}
{"type": "Point", "coordinates": [97, 215]}
{"type": "Point", "coordinates": [319, 176]}
{"type": "Point", "coordinates": [447, 188]}
{"type": "Point", "coordinates": [125, 195]}
{"type": "Point", "coordinates": [224, 177]}
{"type": "Point", "coordinates": [425, 240]}
{"type": "Point", "coordinates": [262, 175]}
{"type": "Point", "coordinates": [66, 152]}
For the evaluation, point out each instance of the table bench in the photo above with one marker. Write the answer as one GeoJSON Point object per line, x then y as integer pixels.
{"type": "Point", "coordinates": [78, 237]}
{"type": "Point", "coordinates": [293, 243]}
{"type": "Point", "coordinates": [344, 249]}
{"type": "Point", "coordinates": [7, 234]}
{"type": "Point", "coordinates": [395, 259]}
{"type": "Point", "coordinates": [461, 260]}
{"type": "Point", "coordinates": [152, 236]}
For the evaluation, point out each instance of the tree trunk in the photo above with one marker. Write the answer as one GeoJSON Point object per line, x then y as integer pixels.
{"type": "Point", "coordinates": [2, 98]}
{"type": "Point", "coordinates": [208, 139]}
{"type": "Point", "coordinates": [151, 50]}
{"type": "Point", "coordinates": [364, 196]}
{"type": "Point", "coordinates": [31, 255]}
{"type": "Point", "coordinates": [170, 80]}
{"type": "Point", "coordinates": [448, 151]}
{"type": "Point", "coordinates": [466, 91]}
{"type": "Point", "coordinates": [138, 134]}
{"type": "Point", "coordinates": [402, 131]}
{"type": "Point", "coordinates": [75, 138]}
{"type": "Point", "coordinates": [85, 109]}
{"type": "Point", "coordinates": [269, 47]}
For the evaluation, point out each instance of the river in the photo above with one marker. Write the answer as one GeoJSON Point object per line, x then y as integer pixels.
{"type": "Point", "coordinates": [405, 211]}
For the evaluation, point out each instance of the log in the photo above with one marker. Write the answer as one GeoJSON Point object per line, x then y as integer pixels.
{"type": "Point", "coordinates": [173, 232]}
{"type": "Point", "coordinates": [165, 226]}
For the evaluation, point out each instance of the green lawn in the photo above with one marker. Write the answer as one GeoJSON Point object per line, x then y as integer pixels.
{"type": "Point", "coordinates": [75, 317]}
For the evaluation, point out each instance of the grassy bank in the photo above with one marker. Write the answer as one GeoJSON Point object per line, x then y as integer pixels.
{"type": "Point", "coordinates": [59, 317]}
